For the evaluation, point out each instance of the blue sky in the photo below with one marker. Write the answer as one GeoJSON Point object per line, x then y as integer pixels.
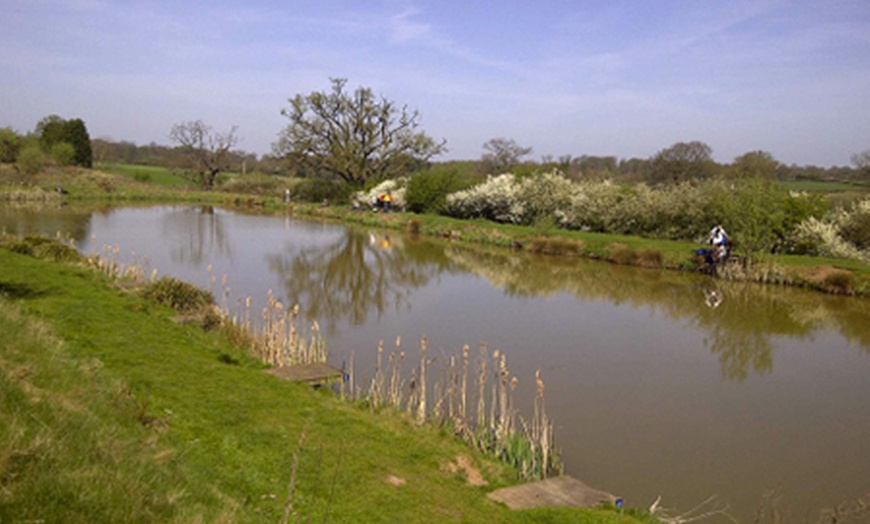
{"type": "Point", "coordinates": [618, 77]}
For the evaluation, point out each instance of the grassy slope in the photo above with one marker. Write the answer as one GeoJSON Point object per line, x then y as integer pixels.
{"type": "Point", "coordinates": [112, 412]}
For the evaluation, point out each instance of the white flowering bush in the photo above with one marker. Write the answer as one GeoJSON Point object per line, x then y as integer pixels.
{"type": "Point", "coordinates": [495, 199]}
{"type": "Point", "coordinates": [822, 237]}
{"type": "Point", "coordinates": [760, 214]}
{"type": "Point", "coordinates": [395, 187]}
{"type": "Point", "coordinates": [855, 224]}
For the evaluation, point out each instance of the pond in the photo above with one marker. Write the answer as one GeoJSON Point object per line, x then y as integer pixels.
{"type": "Point", "coordinates": [659, 383]}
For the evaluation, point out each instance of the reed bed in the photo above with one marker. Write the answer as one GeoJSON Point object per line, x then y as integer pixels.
{"type": "Point", "coordinates": [494, 427]}
{"type": "Point", "coordinates": [274, 340]}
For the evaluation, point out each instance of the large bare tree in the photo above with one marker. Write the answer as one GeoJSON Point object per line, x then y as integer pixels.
{"type": "Point", "coordinates": [207, 152]}
{"type": "Point", "coordinates": [353, 136]}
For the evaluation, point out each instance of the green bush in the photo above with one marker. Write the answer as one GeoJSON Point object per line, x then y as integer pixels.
{"type": "Point", "coordinates": [10, 145]}
{"type": "Point", "coordinates": [427, 191]}
{"type": "Point", "coordinates": [31, 160]}
{"type": "Point", "coordinates": [63, 153]}
{"type": "Point", "coordinates": [180, 296]}
{"type": "Point", "coordinates": [317, 189]}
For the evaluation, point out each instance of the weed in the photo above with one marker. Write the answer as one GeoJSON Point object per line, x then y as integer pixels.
{"type": "Point", "coordinates": [180, 296]}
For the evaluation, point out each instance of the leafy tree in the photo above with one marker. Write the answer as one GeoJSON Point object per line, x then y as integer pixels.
{"type": "Point", "coordinates": [356, 136]}
{"type": "Point", "coordinates": [76, 134]}
{"type": "Point", "coordinates": [756, 164]}
{"type": "Point", "coordinates": [206, 153]}
{"type": "Point", "coordinates": [63, 153]}
{"type": "Point", "coordinates": [427, 190]}
{"type": "Point", "coordinates": [53, 130]}
{"type": "Point", "coordinates": [10, 145]}
{"type": "Point", "coordinates": [681, 162]}
{"type": "Point", "coordinates": [502, 154]}
{"type": "Point", "coordinates": [50, 131]}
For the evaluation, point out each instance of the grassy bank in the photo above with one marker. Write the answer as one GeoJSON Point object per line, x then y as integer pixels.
{"type": "Point", "coordinates": [113, 412]}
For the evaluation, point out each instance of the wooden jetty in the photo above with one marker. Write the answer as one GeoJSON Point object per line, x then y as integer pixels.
{"type": "Point", "coordinates": [556, 491]}
{"type": "Point", "coordinates": [317, 374]}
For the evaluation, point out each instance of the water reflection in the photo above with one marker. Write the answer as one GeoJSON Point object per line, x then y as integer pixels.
{"type": "Point", "coordinates": [740, 319]}
{"type": "Point", "coordinates": [196, 234]}
{"type": "Point", "coordinates": [357, 274]}
{"type": "Point", "coordinates": [363, 273]}
{"type": "Point", "coordinates": [45, 219]}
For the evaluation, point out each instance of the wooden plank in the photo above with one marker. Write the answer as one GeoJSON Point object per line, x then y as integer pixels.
{"type": "Point", "coordinates": [557, 491]}
{"type": "Point", "coordinates": [314, 374]}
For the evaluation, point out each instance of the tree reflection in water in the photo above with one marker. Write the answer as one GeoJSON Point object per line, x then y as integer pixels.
{"type": "Point", "coordinates": [741, 320]}
{"type": "Point", "coordinates": [356, 275]}
{"type": "Point", "coordinates": [201, 233]}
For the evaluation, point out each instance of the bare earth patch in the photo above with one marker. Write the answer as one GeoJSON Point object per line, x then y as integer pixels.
{"type": "Point", "coordinates": [395, 481]}
{"type": "Point", "coordinates": [472, 474]}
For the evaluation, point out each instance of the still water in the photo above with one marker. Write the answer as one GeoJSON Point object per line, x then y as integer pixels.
{"type": "Point", "coordinates": [659, 383]}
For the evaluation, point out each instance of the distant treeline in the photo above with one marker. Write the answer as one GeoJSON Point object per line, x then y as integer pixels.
{"type": "Point", "coordinates": [668, 163]}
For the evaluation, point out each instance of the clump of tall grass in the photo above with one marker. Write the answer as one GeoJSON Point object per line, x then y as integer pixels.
{"type": "Point", "coordinates": [494, 427]}
{"type": "Point", "coordinates": [558, 246]}
{"type": "Point", "coordinates": [179, 295]}
{"type": "Point", "coordinates": [42, 247]}
{"type": "Point", "coordinates": [30, 195]}
{"type": "Point", "coordinates": [838, 281]}
{"type": "Point", "coordinates": [274, 337]}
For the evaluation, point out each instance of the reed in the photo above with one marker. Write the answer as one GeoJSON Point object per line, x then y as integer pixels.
{"type": "Point", "coordinates": [496, 430]}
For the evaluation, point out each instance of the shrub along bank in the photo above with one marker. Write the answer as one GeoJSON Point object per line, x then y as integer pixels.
{"type": "Point", "coordinates": [113, 412]}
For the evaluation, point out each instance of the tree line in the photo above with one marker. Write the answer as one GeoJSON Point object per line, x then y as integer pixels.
{"type": "Point", "coordinates": [355, 138]}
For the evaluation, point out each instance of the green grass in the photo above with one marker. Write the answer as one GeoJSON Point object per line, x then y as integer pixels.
{"type": "Point", "coordinates": [822, 186]}
{"type": "Point", "coordinates": [113, 413]}
{"type": "Point", "coordinates": [159, 176]}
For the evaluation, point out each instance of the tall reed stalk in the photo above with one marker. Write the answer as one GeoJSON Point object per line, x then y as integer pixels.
{"type": "Point", "coordinates": [496, 429]}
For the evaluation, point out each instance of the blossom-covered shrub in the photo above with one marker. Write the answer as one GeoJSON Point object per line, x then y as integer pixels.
{"type": "Point", "coordinates": [855, 224]}
{"type": "Point", "coordinates": [495, 199]}
{"type": "Point", "coordinates": [395, 187]}
{"type": "Point", "coordinates": [822, 237]}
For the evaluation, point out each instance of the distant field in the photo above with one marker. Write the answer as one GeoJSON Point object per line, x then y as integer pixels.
{"type": "Point", "coordinates": [159, 176]}
{"type": "Point", "coordinates": [823, 186]}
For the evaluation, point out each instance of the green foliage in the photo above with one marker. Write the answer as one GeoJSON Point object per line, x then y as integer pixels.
{"type": "Point", "coordinates": [319, 189]}
{"type": "Point", "coordinates": [427, 190]}
{"type": "Point", "coordinates": [10, 145]}
{"type": "Point", "coordinates": [63, 153]}
{"type": "Point", "coordinates": [759, 213]}
{"type": "Point", "coordinates": [31, 160]}
{"type": "Point", "coordinates": [76, 134]}
{"type": "Point", "coordinates": [681, 162]}
{"type": "Point", "coordinates": [756, 164]}
{"type": "Point", "coordinates": [54, 130]}
{"type": "Point", "coordinates": [180, 296]}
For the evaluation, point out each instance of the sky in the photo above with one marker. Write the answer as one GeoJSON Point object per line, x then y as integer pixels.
{"type": "Point", "coordinates": [624, 78]}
